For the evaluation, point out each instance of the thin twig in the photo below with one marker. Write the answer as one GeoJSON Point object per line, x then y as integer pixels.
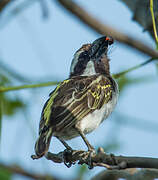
{"type": "Point", "coordinates": [101, 28]}
{"type": "Point", "coordinates": [13, 88]}
{"type": "Point", "coordinates": [153, 21]}
{"type": "Point", "coordinates": [118, 75]}
{"type": "Point", "coordinates": [45, 84]}
{"type": "Point", "coordinates": [44, 9]}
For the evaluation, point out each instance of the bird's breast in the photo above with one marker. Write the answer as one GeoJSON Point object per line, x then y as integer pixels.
{"type": "Point", "coordinates": [93, 120]}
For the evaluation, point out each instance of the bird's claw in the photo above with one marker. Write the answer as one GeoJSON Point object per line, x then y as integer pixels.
{"type": "Point", "coordinates": [67, 162]}
{"type": "Point", "coordinates": [90, 163]}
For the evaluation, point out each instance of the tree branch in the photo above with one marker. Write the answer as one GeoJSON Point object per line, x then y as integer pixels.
{"type": "Point", "coordinates": [128, 174]}
{"type": "Point", "coordinates": [102, 159]}
{"type": "Point", "coordinates": [101, 28]}
{"type": "Point", "coordinates": [4, 3]}
{"type": "Point", "coordinates": [18, 170]}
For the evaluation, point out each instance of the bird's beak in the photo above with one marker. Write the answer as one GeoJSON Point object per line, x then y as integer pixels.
{"type": "Point", "coordinates": [100, 46]}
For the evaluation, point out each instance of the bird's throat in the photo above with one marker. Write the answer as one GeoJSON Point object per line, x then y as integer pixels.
{"type": "Point", "coordinates": [90, 69]}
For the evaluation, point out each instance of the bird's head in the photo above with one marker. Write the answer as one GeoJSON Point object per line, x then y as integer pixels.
{"type": "Point", "coordinates": [92, 58]}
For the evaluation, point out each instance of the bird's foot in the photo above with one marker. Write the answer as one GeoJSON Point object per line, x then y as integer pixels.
{"type": "Point", "coordinates": [114, 161]}
{"type": "Point", "coordinates": [67, 153]}
{"type": "Point", "coordinates": [91, 152]}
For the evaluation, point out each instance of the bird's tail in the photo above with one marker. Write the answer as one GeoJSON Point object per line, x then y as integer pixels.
{"type": "Point", "coordinates": [42, 143]}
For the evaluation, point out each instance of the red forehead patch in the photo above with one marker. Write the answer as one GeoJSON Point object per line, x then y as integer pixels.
{"type": "Point", "coordinates": [110, 40]}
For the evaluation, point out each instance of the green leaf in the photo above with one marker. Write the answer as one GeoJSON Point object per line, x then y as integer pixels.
{"type": "Point", "coordinates": [125, 81]}
{"type": "Point", "coordinates": [5, 174]}
{"type": "Point", "coordinates": [81, 172]}
{"type": "Point", "coordinates": [11, 105]}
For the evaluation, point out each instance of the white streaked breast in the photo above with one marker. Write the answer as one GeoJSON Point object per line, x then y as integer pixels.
{"type": "Point", "coordinates": [93, 120]}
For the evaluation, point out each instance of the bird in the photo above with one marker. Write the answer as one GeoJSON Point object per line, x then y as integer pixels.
{"type": "Point", "coordinates": [79, 104]}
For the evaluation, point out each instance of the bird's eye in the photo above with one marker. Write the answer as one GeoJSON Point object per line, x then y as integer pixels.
{"type": "Point", "coordinates": [84, 56]}
{"type": "Point", "coordinates": [85, 53]}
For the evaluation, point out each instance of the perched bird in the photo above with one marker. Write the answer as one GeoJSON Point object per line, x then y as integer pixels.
{"type": "Point", "coordinates": [80, 103]}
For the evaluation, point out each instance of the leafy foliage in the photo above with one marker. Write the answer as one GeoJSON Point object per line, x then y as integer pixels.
{"type": "Point", "coordinates": [5, 174]}
{"type": "Point", "coordinates": [9, 104]}
{"type": "Point", "coordinates": [125, 81]}
{"type": "Point", "coordinates": [82, 170]}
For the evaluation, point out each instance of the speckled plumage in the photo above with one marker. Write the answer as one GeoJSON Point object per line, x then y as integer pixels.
{"type": "Point", "coordinates": [84, 100]}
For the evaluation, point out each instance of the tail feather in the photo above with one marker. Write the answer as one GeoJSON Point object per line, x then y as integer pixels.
{"type": "Point", "coordinates": [42, 143]}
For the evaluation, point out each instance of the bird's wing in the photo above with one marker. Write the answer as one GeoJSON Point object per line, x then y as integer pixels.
{"type": "Point", "coordinates": [73, 99]}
